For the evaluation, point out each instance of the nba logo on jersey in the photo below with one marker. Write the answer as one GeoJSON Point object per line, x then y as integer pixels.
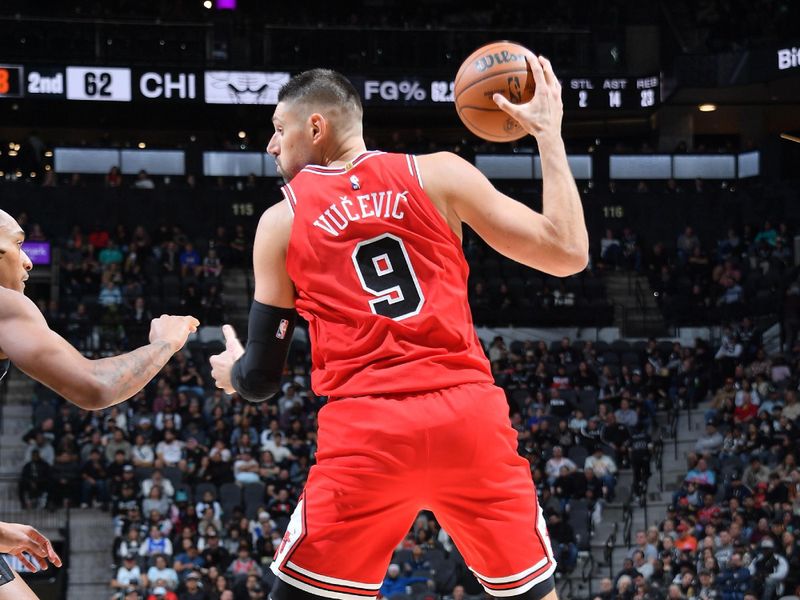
{"type": "Point", "coordinates": [355, 182]}
{"type": "Point", "coordinates": [281, 333]}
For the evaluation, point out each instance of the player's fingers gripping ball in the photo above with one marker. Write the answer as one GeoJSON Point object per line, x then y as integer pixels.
{"type": "Point", "coordinates": [496, 68]}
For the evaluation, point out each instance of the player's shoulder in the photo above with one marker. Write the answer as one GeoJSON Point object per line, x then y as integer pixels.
{"type": "Point", "coordinates": [275, 223]}
{"type": "Point", "coordinates": [14, 303]}
{"type": "Point", "coordinates": [441, 160]}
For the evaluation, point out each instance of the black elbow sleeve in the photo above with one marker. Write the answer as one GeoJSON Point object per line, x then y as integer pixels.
{"type": "Point", "coordinates": [257, 374]}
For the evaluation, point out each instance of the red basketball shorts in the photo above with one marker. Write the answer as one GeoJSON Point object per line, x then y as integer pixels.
{"type": "Point", "coordinates": [383, 459]}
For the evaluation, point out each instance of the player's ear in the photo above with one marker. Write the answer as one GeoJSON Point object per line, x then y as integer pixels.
{"type": "Point", "coordinates": [319, 127]}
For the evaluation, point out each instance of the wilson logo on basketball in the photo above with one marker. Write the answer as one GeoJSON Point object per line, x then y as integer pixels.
{"type": "Point", "coordinates": [497, 58]}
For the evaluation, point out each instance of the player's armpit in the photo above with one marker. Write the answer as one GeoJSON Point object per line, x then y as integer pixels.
{"type": "Point", "coordinates": [273, 285]}
{"type": "Point", "coordinates": [516, 231]}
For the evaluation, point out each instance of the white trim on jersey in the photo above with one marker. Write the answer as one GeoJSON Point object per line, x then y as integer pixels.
{"type": "Point", "coordinates": [334, 580]}
{"type": "Point", "coordinates": [516, 591]}
{"type": "Point", "coordinates": [410, 167]}
{"type": "Point", "coordinates": [419, 174]}
{"type": "Point", "coordinates": [321, 170]}
{"type": "Point", "coordinates": [514, 577]}
{"type": "Point", "coordinates": [318, 591]}
{"type": "Point", "coordinates": [286, 197]}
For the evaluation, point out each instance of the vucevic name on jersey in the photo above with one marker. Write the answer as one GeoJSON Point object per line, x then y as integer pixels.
{"type": "Point", "coordinates": [381, 279]}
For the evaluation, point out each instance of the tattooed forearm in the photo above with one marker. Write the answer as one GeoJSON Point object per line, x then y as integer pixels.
{"type": "Point", "coordinates": [120, 377]}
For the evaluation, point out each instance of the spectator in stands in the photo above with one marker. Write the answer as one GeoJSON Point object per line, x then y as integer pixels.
{"type": "Point", "coordinates": [193, 590]}
{"type": "Point", "coordinates": [245, 469]}
{"type": "Point", "coordinates": [110, 295]}
{"type": "Point", "coordinates": [747, 411]}
{"type": "Point", "coordinates": [687, 242]}
{"type": "Point", "coordinates": [734, 580]}
{"type": "Point", "coordinates": [144, 181]}
{"type": "Point", "coordinates": [154, 545]}
{"type": "Point", "coordinates": [129, 574]}
{"type": "Point", "coordinates": [244, 564]}
{"type": "Point", "coordinates": [710, 443]}
{"type": "Point", "coordinates": [558, 460]}
{"type": "Point", "coordinates": [94, 486]}
{"type": "Point", "coordinates": [191, 265]}
{"type": "Point", "coordinates": [395, 585]}
{"type": "Point", "coordinates": [611, 250]}
{"type": "Point", "coordinates": [188, 559]}
{"type": "Point", "coordinates": [157, 479]}
{"type": "Point", "coordinates": [617, 436]}
{"type": "Point", "coordinates": [155, 500]}
{"type": "Point", "coordinates": [42, 445]}
{"type": "Point", "coordinates": [641, 544]}
{"type": "Point", "coordinates": [702, 475]}
{"type": "Point", "coordinates": [170, 449]}
{"type": "Point", "coordinates": [113, 177]}
{"type": "Point", "coordinates": [142, 454]}
{"type": "Point", "coordinates": [755, 473]}
{"type": "Point", "coordinates": [212, 265]}
{"type": "Point", "coordinates": [117, 443]}
{"type": "Point", "coordinates": [604, 468]}
{"type": "Point", "coordinates": [34, 483]}
{"type": "Point", "coordinates": [563, 539]}
{"type": "Point", "coordinates": [625, 415]}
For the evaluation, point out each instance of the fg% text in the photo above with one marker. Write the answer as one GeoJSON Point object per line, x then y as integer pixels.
{"type": "Point", "coordinates": [392, 90]}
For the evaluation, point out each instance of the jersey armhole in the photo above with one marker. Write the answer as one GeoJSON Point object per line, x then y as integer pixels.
{"type": "Point", "coordinates": [288, 195]}
{"type": "Point", "coordinates": [413, 169]}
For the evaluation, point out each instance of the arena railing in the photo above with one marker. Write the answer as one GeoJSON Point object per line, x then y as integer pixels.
{"type": "Point", "coordinates": [658, 458]}
{"type": "Point", "coordinates": [627, 523]}
{"type": "Point", "coordinates": [608, 550]}
{"type": "Point", "coordinates": [587, 572]}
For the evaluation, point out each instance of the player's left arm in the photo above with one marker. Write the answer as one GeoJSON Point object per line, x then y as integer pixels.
{"type": "Point", "coordinates": [255, 372]}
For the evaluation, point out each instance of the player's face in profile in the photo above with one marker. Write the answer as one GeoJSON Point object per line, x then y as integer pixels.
{"type": "Point", "coordinates": [14, 263]}
{"type": "Point", "coordinates": [291, 143]}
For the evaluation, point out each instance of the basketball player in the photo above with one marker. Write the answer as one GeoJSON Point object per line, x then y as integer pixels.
{"type": "Point", "coordinates": [27, 341]}
{"type": "Point", "coordinates": [367, 247]}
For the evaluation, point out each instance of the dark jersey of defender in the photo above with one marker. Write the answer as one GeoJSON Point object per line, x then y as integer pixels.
{"type": "Point", "coordinates": [381, 279]}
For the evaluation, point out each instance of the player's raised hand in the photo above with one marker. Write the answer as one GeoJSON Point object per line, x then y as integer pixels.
{"type": "Point", "coordinates": [172, 329]}
{"type": "Point", "coordinates": [221, 364]}
{"type": "Point", "coordinates": [541, 116]}
{"type": "Point", "coordinates": [16, 539]}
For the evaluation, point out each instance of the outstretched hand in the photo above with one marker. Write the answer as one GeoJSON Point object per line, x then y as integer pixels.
{"type": "Point", "coordinates": [541, 116]}
{"type": "Point", "coordinates": [221, 364]}
{"type": "Point", "coordinates": [17, 539]}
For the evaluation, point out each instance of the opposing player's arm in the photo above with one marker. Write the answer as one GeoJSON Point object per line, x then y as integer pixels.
{"type": "Point", "coordinates": [554, 241]}
{"type": "Point", "coordinates": [48, 358]}
{"type": "Point", "coordinates": [255, 371]}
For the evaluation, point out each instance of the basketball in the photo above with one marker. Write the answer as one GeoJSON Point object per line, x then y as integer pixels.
{"type": "Point", "coordinates": [496, 68]}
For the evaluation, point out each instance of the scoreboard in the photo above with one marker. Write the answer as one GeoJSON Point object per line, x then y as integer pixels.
{"type": "Point", "coordinates": [10, 81]}
{"type": "Point", "coordinates": [124, 84]}
{"type": "Point", "coordinates": [578, 93]}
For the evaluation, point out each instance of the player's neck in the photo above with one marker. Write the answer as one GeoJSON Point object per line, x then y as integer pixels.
{"type": "Point", "coordinates": [346, 152]}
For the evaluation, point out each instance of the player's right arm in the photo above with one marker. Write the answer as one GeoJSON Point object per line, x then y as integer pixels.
{"type": "Point", "coordinates": [554, 241]}
{"type": "Point", "coordinates": [255, 372]}
{"type": "Point", "coordinates": [48, 358]}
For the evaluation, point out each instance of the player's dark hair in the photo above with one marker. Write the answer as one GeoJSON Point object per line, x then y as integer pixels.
{"type": "Point", "coordinates": [321, 86]}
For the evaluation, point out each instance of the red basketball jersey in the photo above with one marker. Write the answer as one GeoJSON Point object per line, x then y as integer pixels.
{"type": "Point", "coordinates": [381, 279]}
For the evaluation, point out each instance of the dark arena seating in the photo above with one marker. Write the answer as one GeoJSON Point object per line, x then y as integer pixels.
{"type": "Point", "coordinates": [654, 394]}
